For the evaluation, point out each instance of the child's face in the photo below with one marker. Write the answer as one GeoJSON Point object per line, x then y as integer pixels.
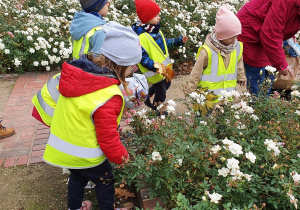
{"type": "Point", "coordinates": [103, 12]}
{"type": "Point", "coordinates": [229, 41]}
{"type": "Point", "coordinates": [154, 21]}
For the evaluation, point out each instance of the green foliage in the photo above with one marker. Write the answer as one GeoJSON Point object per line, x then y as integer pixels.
{"type": "Point", "coordinates": [244, 155]}
{"type": "Point", "coordinates": [34, 34]}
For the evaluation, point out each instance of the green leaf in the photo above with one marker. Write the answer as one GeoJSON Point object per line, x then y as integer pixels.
{"type": "Point", "coordinates": [294, 160]}
{"type": "Point", "coordinates": [273, 181]}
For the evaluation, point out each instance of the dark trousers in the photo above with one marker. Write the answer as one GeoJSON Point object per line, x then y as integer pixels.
{"type": "Point", "coordinates": [100, 175]}
{"type": "Point", "coordinates": [159, 91]}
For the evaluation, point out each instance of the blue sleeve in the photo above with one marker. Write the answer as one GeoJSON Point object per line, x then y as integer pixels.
{"type": "Point", "coordinates": [96, 41]}
{"type": "Point", "coordinates": [174, 42]}
{"type": "Point", "coordinates": [146, 61]}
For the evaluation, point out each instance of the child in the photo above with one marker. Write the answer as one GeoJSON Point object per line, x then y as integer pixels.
{"type": "Point", "coordinates": [46, 98]}
{"type": "Point", "coordinates": [86, 36]}
{"type": "Point", "coordinates": [155, 49]}
{"type": "Point", "coordinates": [83, 133]}
{"type": "Point", "coordinates": [219, 64]}
{"type": "Point", "coordinates": [138, 88]}
{"type": "Point", "coordinates": [86, 27]}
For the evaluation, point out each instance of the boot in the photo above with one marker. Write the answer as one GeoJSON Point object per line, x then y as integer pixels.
{"type": "Point", "coordinates": [6, 132]}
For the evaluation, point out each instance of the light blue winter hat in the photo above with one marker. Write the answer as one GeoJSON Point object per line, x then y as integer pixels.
{"type": "Point", "coordinates": [121, 44]}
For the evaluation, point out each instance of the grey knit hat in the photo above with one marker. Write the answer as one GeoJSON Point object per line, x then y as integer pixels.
{"type": "Point", "coordinates": [92, 5]}
{"type": "Point", "coordinates": [121, 44]}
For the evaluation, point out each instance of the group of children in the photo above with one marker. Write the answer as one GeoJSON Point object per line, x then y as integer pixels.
{"type": "Point", "coordinates": [83, 104]}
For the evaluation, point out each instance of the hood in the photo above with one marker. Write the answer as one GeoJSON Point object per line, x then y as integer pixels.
{"type": "Point", "coordinates": [82, 77]}
{"type": "Point", "coordinates": [82, 23]}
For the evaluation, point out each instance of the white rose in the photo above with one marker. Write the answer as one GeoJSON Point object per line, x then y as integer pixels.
{"type": "Point", "coordinates": [250, 156]}
{"type": "Point", "coordinates": [215, 197]}
{"type": "Point", "coordinates": [223, 172]}
{"type": "Point", "coordinates": [156, 156]}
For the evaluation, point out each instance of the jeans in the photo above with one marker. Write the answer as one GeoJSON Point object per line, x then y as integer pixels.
{"type": "Point", "coordinates": [102, 176]}
{"type": "Point", "coordinates": [255, 79]}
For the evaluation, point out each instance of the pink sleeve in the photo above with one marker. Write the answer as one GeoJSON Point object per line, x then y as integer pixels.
{"type": "Point", "coordinates": [106, 125]}
{"type": "Point", "coordinates": [272, 33]}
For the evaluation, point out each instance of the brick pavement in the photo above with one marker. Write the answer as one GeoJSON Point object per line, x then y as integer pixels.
{"type": "Point", "coordinates": [27, 145]}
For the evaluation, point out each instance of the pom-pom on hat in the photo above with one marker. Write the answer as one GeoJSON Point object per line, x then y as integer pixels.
{"type": "Point", "coordinates": [227, 24]}
{"type": "Point", "coordinates": [121, 44]}
{"type": "Point", "coordinates": [92, 5]}
{"type": "Point", "coordinates": [146, 10]}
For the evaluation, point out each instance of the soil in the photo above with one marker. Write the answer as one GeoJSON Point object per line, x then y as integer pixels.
{"type": "Point", "coordinates": [42, 186]}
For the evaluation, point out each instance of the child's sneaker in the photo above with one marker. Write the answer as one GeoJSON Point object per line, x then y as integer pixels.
{"type": "Point", "coordinates": [6, 132]}
{"type": "Point", "coordinates": [86, 205]}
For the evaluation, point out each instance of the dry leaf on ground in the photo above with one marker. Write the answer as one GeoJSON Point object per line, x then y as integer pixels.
{"type": "Point", "coordinates": [123, 193]}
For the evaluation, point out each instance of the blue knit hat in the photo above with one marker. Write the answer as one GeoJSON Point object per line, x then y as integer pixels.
{"type": "Point", "coordinates": [92, 5]}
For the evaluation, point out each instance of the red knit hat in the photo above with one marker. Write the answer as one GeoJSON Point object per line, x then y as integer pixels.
{"type": "Point", "coordinates": [146, 10]}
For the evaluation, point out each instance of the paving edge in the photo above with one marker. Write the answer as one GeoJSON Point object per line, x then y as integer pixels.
{"type": "Point", "coordinates": [145, 201]}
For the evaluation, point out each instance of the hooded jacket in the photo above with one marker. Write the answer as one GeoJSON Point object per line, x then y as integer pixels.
{"type": "Point", "coordinates": [82, 77]}
{"type": "Point", "coordinates": [265, 24]}
{"type": "Point", "coordinates": [82, 23]}
{"type": "Point", "coordinates": [202, 63]}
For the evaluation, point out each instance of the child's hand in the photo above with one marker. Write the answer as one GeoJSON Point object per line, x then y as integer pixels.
{"type": "Point", "coordinates": [125, 160]}
{"type": "Point", "coordinates": [185, 39]}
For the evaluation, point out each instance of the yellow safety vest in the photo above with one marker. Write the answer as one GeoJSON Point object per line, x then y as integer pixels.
{"type": "Point", "coordinates": [73, 142]}
{"type": "Point", "coordinates": [81, 46]}
{"type": "Point", "coordinates": [45, 100]}
{"type": "Point", "coordinates": [216, 77]}
{"type": "Point", "coordinates": [156, 54]}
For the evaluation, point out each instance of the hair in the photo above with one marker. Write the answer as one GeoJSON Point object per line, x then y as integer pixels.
{"type": "Point", "coordinates": [104, 62]}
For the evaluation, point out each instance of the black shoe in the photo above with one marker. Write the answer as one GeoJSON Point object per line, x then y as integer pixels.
{"type": "Point", "coordinates": [148, 103]}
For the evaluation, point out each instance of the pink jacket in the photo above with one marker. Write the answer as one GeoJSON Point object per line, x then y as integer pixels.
{"type": "Point", "coordinates": [265, 24]}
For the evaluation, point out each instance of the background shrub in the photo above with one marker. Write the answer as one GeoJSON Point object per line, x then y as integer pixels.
{"type": "Point", "coordinates": [34, 34]}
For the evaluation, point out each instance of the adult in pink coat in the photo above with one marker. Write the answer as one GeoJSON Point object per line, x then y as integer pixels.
{"type": "Point", "coordinates": [265, 24]}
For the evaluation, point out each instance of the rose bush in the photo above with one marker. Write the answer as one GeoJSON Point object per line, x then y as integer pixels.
{"type": "Point", "coordinates": [34, 34]}
{"type": "Point", "coordinates": [244, 155]}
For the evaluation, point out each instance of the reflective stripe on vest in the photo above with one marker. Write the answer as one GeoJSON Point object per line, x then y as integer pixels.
{"type": "Point", "coordinates": [81, 46]}
{"type": "Point", "coordinates": [216, 77]}
{"type": "Point", "coordinates": [73, 142]}
{"type": "Point", "coordinates": [72, 149]}
{"type": "Point", "coordinates": [156, 54]}
{"type": "Point", "coordinates": [46, 98]}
